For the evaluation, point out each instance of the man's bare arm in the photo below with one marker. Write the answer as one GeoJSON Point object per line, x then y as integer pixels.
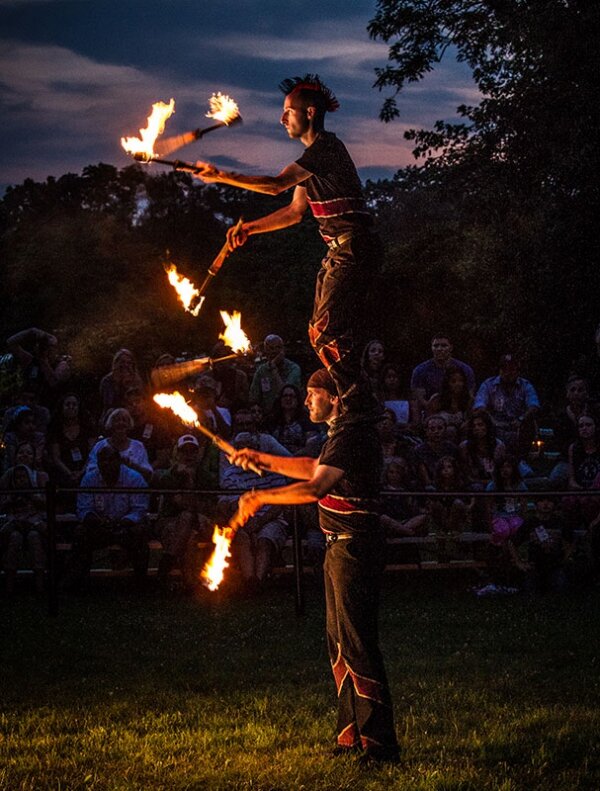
{"type": "Point", "coordinates": [300, 467]}
{"type": "Point", "coordinates": [323, 480]}
{"type": "Point", "coordinates": [269, 185]}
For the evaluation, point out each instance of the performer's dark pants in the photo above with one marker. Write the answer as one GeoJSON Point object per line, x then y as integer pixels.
{"type": "Point", "coordinates": [353, 570]}
{"type": "Point", "coordinates": [338, 319]}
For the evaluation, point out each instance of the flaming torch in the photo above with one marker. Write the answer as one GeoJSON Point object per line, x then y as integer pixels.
{"type": "Point", "coordinates": [180, 407]}
{"type": "Point", "coordinates": [142, 147]}
{"type": "Point", "coordinates": [222, 109]}
{"type": "Point", "coordinates": [234, 337]}
{"type": "Point", "coordinates": [213, 571]}
{"type": "Point", "coordinates": [186, 291]}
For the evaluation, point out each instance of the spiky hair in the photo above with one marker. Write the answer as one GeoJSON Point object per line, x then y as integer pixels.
{"type": "Point", "coordinates": [310, 82]}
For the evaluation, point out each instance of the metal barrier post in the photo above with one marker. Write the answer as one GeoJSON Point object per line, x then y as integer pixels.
{"type": "Point", "coordinates": [51, 532]}
{"type": "Point", "coordinates": [298, 565]}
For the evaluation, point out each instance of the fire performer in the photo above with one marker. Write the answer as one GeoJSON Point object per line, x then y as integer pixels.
{"type": "Point", "coordinates": [325, 179]}
{"type": "Point", "coordinates": [345, 482]}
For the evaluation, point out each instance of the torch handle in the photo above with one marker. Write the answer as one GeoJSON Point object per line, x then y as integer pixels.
{"type": "Point", "coordinates": [223, 445]}
{"type": "Point", "coordinates": [224, 251]}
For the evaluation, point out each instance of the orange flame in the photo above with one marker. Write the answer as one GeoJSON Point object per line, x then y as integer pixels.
{"type": "Point", "coordinates": [186, 290]}
{"type": "Point", "coordinates": [155, 127]}
{"type": "Point", "coordinates": [234, 336]}
{"type": "Point", "coordinates": [178, 405]}
{"type": "Point", "coordinates": [222, 108]}
{"type": "Point", "coordinates": [214, 569]}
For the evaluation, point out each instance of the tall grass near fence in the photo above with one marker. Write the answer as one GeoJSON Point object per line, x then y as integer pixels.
{"type": "Point", "coordinates": [127, 691]}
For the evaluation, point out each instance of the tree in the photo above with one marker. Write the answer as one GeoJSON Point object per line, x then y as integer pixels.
{"type": "Point", "coordinates": [518, 170]}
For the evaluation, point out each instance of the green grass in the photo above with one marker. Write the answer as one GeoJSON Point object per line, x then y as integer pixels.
{"type": "Point", "coordinates": [125, 691]}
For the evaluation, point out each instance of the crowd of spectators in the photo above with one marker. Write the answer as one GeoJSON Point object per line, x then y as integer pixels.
{"type": "Point", "coordinates": [445, 437]}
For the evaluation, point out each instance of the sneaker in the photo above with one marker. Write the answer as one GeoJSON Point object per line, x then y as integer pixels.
{"type": "Point", "coordinates": [380, 755]}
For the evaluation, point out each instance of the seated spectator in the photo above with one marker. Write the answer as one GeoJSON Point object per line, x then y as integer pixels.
{"type": "Point", "coordinates": [186, 517]}
{"type": "Point", "coordinates": [584, 454]}
{"type": "Point", "coordinates": [116, 383]}
{"type": "Point", "coordinates": [216, 418]}
{"type": "Point", "coordinates": [71, 436]}
{"type": "Point", "coordinates": [450, 514]}
{"type": "Point", "coordinates": [133, 454]}
{"type": "Point", "coordinates": [289, 422]}
{"type": "Point", "coordinates": [392, 397]}
{"type": "Point", "coordinates": [549, 544]}
{"type": "Point", "coordinates": [513, 405]}
{"type": "Point", "coordinates": [22, 525]}
{"type": "Point", "coordinates": [273, 374]}
{"type": "Point", "coordinates": [22, 429]}
{"type": "Point", "coordinates": [258, 416]}
{"type": "Point", "coordinates": [426, 379]}
{"type": "Point", "coordinates": [108, 518]}
{"type": "Point", "coordinates": [480, 451]}
{"type": "Point", "coordinates": [372, 362]}
{"type": "Point", "coordinates": [233, 382]}
{"type": "Point", "coordinates": [507, 511]}
{"type": "Point", "coordinates": [387, 428]}
{"type": "Point", "coordinates": [28, 398]}
{"type": "Point", "coordinates": [565, 427]}
{"type": "Point", "coordinates": [431, 450]}
{"type": "Point", "coordinates": [44, 371]}
{"type": "Point", "coordinates": [149, 427]}
{"type": "Point", "coordinates": [584, 474]}
{"type": "Point", "coordinates": [588, 367]}
{"type": "Point", "coordinates": [453, 403]}
{"type": "Point", "coordinates": [506, 514]}
{"type": "Point", "coordinates": [400, 515]}
{"type": "Point", "coordinates": [256, 545]}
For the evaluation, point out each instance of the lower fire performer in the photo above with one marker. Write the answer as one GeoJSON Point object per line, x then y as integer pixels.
{"type": "Point", "coordinates": [325, 179]}
{"type": "Point", "coordinates": [345, 482]}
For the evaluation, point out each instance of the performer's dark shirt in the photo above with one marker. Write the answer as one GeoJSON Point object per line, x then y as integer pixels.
{"type": "Point", "coordinates": [334, 190]}
{"type": "Point", "coordinates": [352, 506]}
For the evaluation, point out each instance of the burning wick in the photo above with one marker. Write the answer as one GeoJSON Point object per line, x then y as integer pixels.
{"type": "Point", "coordinates": [214, 569]}
{"type": "Point", "coordinates": [143, 147]}
{"type": "Point", "coordinates": [233, 335]}
{"type": "Point", "coordinates": [223, 109]}
{"type": "Point", "coordinates": [186, 290]}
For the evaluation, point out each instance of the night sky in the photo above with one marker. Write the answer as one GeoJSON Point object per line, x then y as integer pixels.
{"type": "Point", "coordinates": [76, 76]}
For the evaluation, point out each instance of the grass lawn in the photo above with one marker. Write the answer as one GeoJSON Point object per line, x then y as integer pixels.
{"type": "Point", "coordinates": [132, 691]}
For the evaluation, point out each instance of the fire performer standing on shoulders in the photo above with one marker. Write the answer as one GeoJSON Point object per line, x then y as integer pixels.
{"type": "Point", "coordinates": [345, 482]}
{"type": "Point", "coordinates": [325, 179]}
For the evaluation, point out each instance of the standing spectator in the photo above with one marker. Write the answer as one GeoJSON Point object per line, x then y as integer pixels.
{"type": "Point", "coordinates": [431, 450]}
{"type": "Point", "coordinates": [453, 402]}
{"type": "Point", "coordinates": [426, 379]}
{"type": "Point", "coordinates": [22, 429]}
{"type": "Point", "coordinates": [116, 383]}
{"type": "Point", "coordinates": [24, 526]}
{"type": "Point", "coordinates": [133, 454]}
{"type": "Point", "coordinates": [513, 405]}
{"type": "Point", "coordinates": [186, 517]}
{"type": "Point", "coordinates": [272, 375]}
{"type": "Point", "coordinates": [289, 422]}
{"type": "Point", "coordinates": [44, 372]}
{"type": "Point", "coordinates": [108, 518]}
